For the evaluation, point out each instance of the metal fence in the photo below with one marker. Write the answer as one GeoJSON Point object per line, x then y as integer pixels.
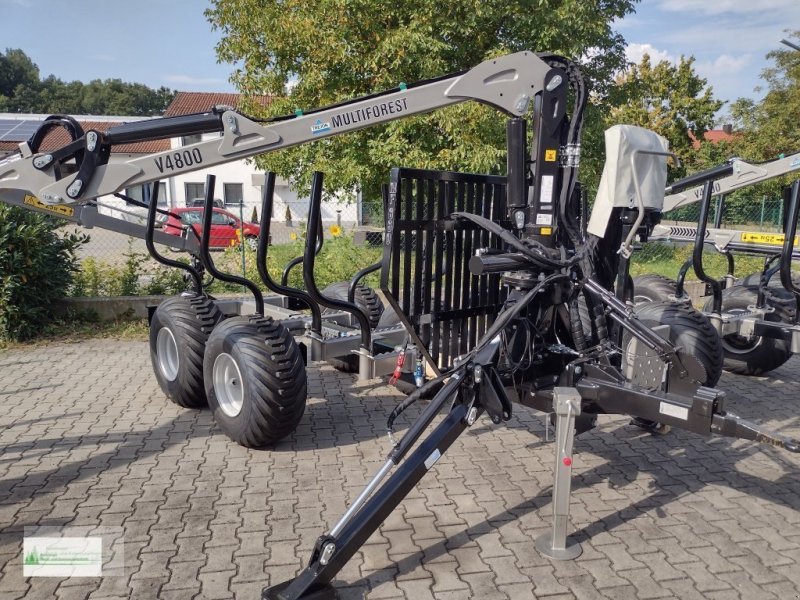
{"type": "Point", "coordinates": [117, 265]}
{"type": "Point", "coordinates": [760, 213]}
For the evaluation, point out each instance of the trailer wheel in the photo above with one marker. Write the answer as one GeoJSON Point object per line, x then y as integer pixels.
{"type": "Point", "coordinates": [754, 279]}
{"type": "Point", "coordinates": [688, 328]}
{"type": "Point", "coordinates": [179, 332]}
{"type": "Point", "coordinates": [757, 355]}
{"type": "Point", "coordinates": [255, 380]}
{"type": "Point", "coordinates": [366, 299]}
{"type": "Point", "coordinates": [653, 288]}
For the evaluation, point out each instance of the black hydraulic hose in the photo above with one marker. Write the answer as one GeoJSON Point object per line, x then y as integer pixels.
{"type": "Point", "coordinates": [309, 259]}
{"type": "Point", "coordinates": [197, 280]}
{"type": "Point", "coordinates": [538, 254]}
{"type": "Point", "coordinates": [261, 256]}
{"type": "Point", "coordinates": [205, 255]}
{"type": "Point", "coordinates": [679, 281]}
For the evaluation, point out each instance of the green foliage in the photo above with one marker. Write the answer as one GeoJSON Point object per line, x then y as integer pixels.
{"type": "Point", "coordinates": [339, 260]}
{"type": "Point", "coordinates": [769, 127]}
{"type": "Point", "coordinates": [99, 278]}
{"type": "Point", "coordinates": [21, 90]}
{"type": "Point", "coordinates": [36, 269]}
{"type": "Point", "coordinates": [665, 259]}
{"type": "Point", "coordinates": [334, 50]}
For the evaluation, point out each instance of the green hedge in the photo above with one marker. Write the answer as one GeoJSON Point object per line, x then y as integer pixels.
{"type": "Point", "coordinates": [37, 266]}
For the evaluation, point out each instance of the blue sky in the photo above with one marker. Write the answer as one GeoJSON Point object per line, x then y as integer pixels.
{"type": "Point", "coordinates": [170, 43]}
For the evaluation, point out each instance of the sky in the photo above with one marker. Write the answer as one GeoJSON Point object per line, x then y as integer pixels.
{"type": "Point", "coordinates": [170, 43]}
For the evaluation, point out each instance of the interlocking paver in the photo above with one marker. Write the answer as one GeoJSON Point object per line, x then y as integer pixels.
{"type": "Point", "coordinates": [677, 516]}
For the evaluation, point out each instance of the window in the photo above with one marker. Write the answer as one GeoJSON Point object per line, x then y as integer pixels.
{"type": "Point", "coordinates": [233, 193]}
{"type": "Point", "coordinates": [142, 193]}
{"type": "Point", "coordinates": [191, 139]}
{"type": "Point", "coordinates": [194, 217]}
{"type": "Point", "coordinates": [218, 218]}
{"type": "Point", "coordinates": [194, 191]}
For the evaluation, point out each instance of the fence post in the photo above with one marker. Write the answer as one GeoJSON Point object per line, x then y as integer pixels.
{"type": "Point", "coordinates": [763, 202]}
{"type": "Point", "coordinates": [242, 238]}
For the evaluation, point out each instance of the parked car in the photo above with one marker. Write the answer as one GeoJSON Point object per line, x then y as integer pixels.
{"type": "Point", "coordinates": [226, 228]}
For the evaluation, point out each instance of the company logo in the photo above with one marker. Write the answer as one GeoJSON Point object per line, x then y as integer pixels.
{"type": "Point", "coordinates": [320, 127]}
{"type": "Point", "coordinates": [62, 557]}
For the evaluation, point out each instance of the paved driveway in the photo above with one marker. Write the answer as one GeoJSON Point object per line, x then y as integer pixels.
{"type": "Point", "coordinates": [88, 439]}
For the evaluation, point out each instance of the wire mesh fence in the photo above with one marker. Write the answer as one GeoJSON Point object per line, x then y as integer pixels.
{"type": "Point", "coordinates": [118, 265]}
{"type": "Point", "coordinates": [762, 213]}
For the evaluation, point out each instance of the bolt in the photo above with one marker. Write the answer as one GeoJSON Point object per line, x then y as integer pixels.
{"type": "Point", "coordinates": [42, 161]}
{"type": "Point", "coordinates": [578, 370]}
{"type": "Point", "coordinates": [52, 198]}
{"type": "Point", "coordinates": [472, 415]}
{"type": "Point", "coordinates": [522, 103]}
{"type": "Point", "coordinates": [327, 552]}
{"type": "Point", "coordinates": [554, 83]}
{"type": "Point", "coordinates": [231, 120]}
{"type": "Point", "coordinates": [91, 141]}
{"type": "Point", "coordinates": [75, 189]}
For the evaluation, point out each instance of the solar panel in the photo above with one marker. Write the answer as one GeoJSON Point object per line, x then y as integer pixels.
{"type": "Point", "coordinates": [16, 130]}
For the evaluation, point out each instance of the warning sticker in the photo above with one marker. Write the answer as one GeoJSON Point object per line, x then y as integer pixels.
{"type": "Point", "coordinates": [544, 219]}
{"type": "Point", "coordinates": [550, 155]}
{"type": "Point", "coordinates": [546, 195]}
{"type": "Point", "coordinates": [64, 211]}
{"type": "Point", "coordinates": [773, 239]}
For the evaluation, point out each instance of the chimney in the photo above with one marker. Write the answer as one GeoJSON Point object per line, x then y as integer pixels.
{"type": "Point", "coordinates": [727, 128]}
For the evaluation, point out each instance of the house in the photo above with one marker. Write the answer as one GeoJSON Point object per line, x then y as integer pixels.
{"type": "Point", "coordinates": [238, 184]}
{"type": "Point", "coordinates": [715, 136]}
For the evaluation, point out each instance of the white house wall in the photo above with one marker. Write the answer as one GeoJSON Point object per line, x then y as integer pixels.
{"type": "Point", "coordinates": [245, 173]}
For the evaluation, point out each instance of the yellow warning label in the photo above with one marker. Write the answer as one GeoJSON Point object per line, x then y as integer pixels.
{"type": "Point", "coordinates": [550, 155]}
{"type": "Point", "coordinates": [65, 211]}
{"type": "Point", "coordinates": [774, 239]}
{"type": "Point", "coordinates": [546, 231]}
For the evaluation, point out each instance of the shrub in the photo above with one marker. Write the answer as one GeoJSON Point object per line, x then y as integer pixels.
{"type": "Point", "coordinates": [131, 278]}
{"type": "Point", "coordinates": [339, 260]}
{"type": "Point", "coordinates": [37, 265]}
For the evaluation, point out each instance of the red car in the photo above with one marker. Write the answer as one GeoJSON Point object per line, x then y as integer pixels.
{"type": "Point", "coordinates": [225, 227]}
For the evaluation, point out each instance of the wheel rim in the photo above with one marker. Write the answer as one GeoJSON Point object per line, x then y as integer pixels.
{"type": "Point", "coordinates": [737, 344]}
{"type": "Point", "coordinates": [167, 353]}
{"type": "Point", "coordinates": [228, 385]}
{"type": "Point", "coordinates": [252, 243]}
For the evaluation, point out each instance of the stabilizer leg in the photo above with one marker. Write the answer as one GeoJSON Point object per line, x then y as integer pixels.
{"type": "Point", "coordinates": [555, 544]}
{"type": "Point", "coordinates": [332, 552]}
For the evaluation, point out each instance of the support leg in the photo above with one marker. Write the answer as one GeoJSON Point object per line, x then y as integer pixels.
{"type": "Point", "coordinates": [555, 544]}
{"type": "Point", "coordinates": [331, 552]}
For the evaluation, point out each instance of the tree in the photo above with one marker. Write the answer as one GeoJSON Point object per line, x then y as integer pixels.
{"type": "Point", "coordinates": [21, 90]}
{"type": "Point", "coordinates": [670, 99]}
{"type": "Point", "coordinates": [16, 69]}
{"type": "Point", "coordinates": [333, 50]}
{"type": "Point", "coordinates": [769, 127]}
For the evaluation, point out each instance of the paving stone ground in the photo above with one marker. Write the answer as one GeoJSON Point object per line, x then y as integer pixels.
{"type": "Point", "coordinates": [87, 438]}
